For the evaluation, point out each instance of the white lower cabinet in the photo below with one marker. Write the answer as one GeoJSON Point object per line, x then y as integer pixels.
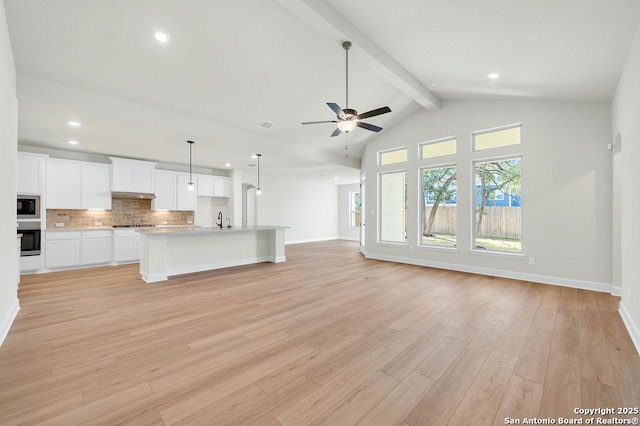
{"type": "Point", "coordinates": [64, 249]}
{"type": "Point", "coordinates": [126, 246]}
{"type": "Point", "coordinates": [68, 249]}
{"type": "Point", "coordinates": [97, 247]}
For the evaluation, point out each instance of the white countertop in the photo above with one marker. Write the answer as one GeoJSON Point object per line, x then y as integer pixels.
{"type": "Point", "coordinates": [105, 228]}
{"type": "Point", "coordinates": [205, 231]}
{"type": "Point", "coordinates": [70, 229]}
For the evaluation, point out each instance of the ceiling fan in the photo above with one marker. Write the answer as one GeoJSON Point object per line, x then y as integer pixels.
{"type": "Point", "coordinates": [348, 119]}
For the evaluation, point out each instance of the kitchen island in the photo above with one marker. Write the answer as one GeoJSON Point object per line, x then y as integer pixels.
{"type": "Point", "coordinates": [177, 251]}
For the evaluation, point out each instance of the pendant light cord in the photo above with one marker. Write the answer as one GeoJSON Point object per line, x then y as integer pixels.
{"type": "Point", "coordinates": [190, 161]}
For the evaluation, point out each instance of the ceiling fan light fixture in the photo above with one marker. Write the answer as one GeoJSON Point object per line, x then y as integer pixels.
{"type": "Point", "coordinates": [346, 126]}
{"type": "Point", "coordinates": [348, 119]}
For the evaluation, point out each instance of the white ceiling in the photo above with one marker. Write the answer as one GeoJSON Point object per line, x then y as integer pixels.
{"type": "Point", "coordinates": [230, 64]}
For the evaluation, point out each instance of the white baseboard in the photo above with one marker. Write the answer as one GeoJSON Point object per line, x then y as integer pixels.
{"type": "Point", "coordinates": [349, 238]}
{"type": "Point", "coordinates": [181, 270]}
{"type": "Point", "coordinates": [543, 279]}
{"type": "Point", "coordinates": [7, 321]}
{"type": "Point", "coordinates": [310, 240]}
{"type": "Point", "coordinates": [632, 326]}
{"type": "Point", "coordinates": [153, 278]}
{"type": "Point", "coordinates": [616, 291]}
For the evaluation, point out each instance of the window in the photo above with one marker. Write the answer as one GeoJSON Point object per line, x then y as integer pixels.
{"type": "Point", "coordinates": [354, 209]}
{"type": "Point", "coordinates": [439, 206]}
{"type": "Point", "coordinates": [393, 156]}
{"type": "Point", "coordinates": [393, 207]}
{"type": "Point", "coordinates": [498, 217]}
{"type": "Point", "coordinates": [496, 138]}
{"type": "Point", "coordinates": [438, 148]}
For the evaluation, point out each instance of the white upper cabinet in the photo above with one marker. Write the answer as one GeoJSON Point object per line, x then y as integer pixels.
{"type": "Point", "coordinates": [31, 177]}
{"type": "Point", "coordinates": [205, 186]}
{"type": "Point", "coordinates": [64, 187]}
{"type": "Point", "coordinates": [186, 198]}
{"type": "Point", "coordinates": [132, 175]}
{"type": "Point", "coordinates": [78, 185]}
{"type": "Point", "coordinates": [214, 186]}
{"type": "Point", "coordinates": [172, 192]}
{"type": "Point", "coordinates": [96, 186]}
{"type": "Point", "coordinates": [165, 190]}
{"type": "Point", "coordinates": [221, 186]}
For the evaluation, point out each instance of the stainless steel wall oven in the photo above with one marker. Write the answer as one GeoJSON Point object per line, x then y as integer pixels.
{"type": "Point", "coordinates": [30, 242]}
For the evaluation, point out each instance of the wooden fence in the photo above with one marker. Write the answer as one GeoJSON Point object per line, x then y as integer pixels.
{"type": "Point", "coordinates": [497, 222]}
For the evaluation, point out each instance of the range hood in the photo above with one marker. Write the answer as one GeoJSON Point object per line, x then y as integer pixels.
{"type": "Point", "coordinates": [138, 195]}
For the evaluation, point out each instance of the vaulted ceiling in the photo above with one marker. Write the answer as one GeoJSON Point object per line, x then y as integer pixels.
{"type": "Point", "coordinates": [229, 65]}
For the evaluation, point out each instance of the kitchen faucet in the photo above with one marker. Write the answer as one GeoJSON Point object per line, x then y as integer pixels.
{"type": "Point", "coordinates": [220, 219]}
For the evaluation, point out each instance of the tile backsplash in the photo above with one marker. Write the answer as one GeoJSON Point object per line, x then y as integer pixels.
{"type": "Point", "coordinates": [124, 211]}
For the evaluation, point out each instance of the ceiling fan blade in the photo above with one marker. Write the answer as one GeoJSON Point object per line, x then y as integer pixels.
{"type": "Point", "coordinates": [335, 108]}
{"type": "Point", "coordinates": [374, 112]}
{"type": "Point", "coordinates": [336, 132]}
{"type": "Point", "coordinates": [368, 126]}
{"type": "Point", "coordinates": [318, 122]}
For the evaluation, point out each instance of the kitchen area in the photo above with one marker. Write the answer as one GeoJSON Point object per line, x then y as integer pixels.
{"type": "Point", "coordinates": [76, 214]}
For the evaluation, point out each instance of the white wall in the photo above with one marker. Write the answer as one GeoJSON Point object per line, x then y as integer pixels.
{"type": "Point", "coordinates": [207, 210]}
{"type": "Point", "coordinates": [566, 173]}
{"type": "Point", "coordinates": [346, 232]}
{"type": "Point", "coordinates": [626, 128]}
{"type": "Point", "coordinates": [310, 209]}
{"type": "Point", "coordinates": [8, 160]}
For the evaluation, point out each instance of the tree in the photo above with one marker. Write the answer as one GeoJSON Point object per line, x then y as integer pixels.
{"type": "Point", "coordinates": [493, 176]}
{"type": "Point", "coordinates": [439, 184]}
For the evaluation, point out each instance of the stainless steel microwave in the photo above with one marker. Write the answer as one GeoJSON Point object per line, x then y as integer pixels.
{"type": "Point", "coordinates": [28, 207]}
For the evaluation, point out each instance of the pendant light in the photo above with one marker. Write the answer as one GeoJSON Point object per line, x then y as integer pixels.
{"type": "Point", "coordinates": [191, 186]}
{"type": "Point", "coordinates": [258, 189]}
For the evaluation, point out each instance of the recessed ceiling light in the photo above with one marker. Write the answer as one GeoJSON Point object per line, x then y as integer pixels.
{"type": "Point", "coordinates": [74, 123]}
{"type": "Point", "coordinates": [493, 76]}
{"type": "Point", "coordinates": [161, 37]}
{"type": "Point", "coordinates": [227, 164]}
{"type": "Point", "coordinates": [254, 156]}
{"type": "Point", "coordinates": [335, 177]}
{"type": "Point", "coordinates": [73, 142]}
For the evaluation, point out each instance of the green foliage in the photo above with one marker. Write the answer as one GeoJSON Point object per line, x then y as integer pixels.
{"type": "Point", "coordinates": [500, 175]}
{"type": "Point", "coordinates": [439, 183]}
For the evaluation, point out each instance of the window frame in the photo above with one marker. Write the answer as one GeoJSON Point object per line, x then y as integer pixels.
{"type": "Point", "coordinates": [352, 211]}
{"type": "Point", "coordinates": [386, 151]}
{"type": "Point", "coordinates": [379, 239]}
{"type": "Point", "coordinates": [436, 141]}
{"type": "Point", "coordinates": [492, 130]}
{"type": "Point", "coordinates": [420, 224]}
{"type": "Point", "coordinates": [473, 162]}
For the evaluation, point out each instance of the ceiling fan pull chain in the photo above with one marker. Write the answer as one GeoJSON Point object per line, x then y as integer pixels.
{"type": "Point", "coordinates": [346, 145]}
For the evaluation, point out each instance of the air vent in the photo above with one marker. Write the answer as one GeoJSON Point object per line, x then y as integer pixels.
{"type": "Point", "coordinates": [264, 124]}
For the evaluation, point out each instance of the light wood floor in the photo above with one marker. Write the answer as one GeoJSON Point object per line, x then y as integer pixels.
{"type": "Point", "coordinates": [326, 338]}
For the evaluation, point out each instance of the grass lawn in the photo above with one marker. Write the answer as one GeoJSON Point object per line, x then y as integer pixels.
{"type": "Point", "coordinates": [482, 243]}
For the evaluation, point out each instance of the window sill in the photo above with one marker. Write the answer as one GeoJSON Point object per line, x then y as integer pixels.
{"type": "Point", "coordinates": [391, 243]}
{"type": "Point", "coordinates": [497, 254]}
{"type": "Point", "coordinates": [438, 248]}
